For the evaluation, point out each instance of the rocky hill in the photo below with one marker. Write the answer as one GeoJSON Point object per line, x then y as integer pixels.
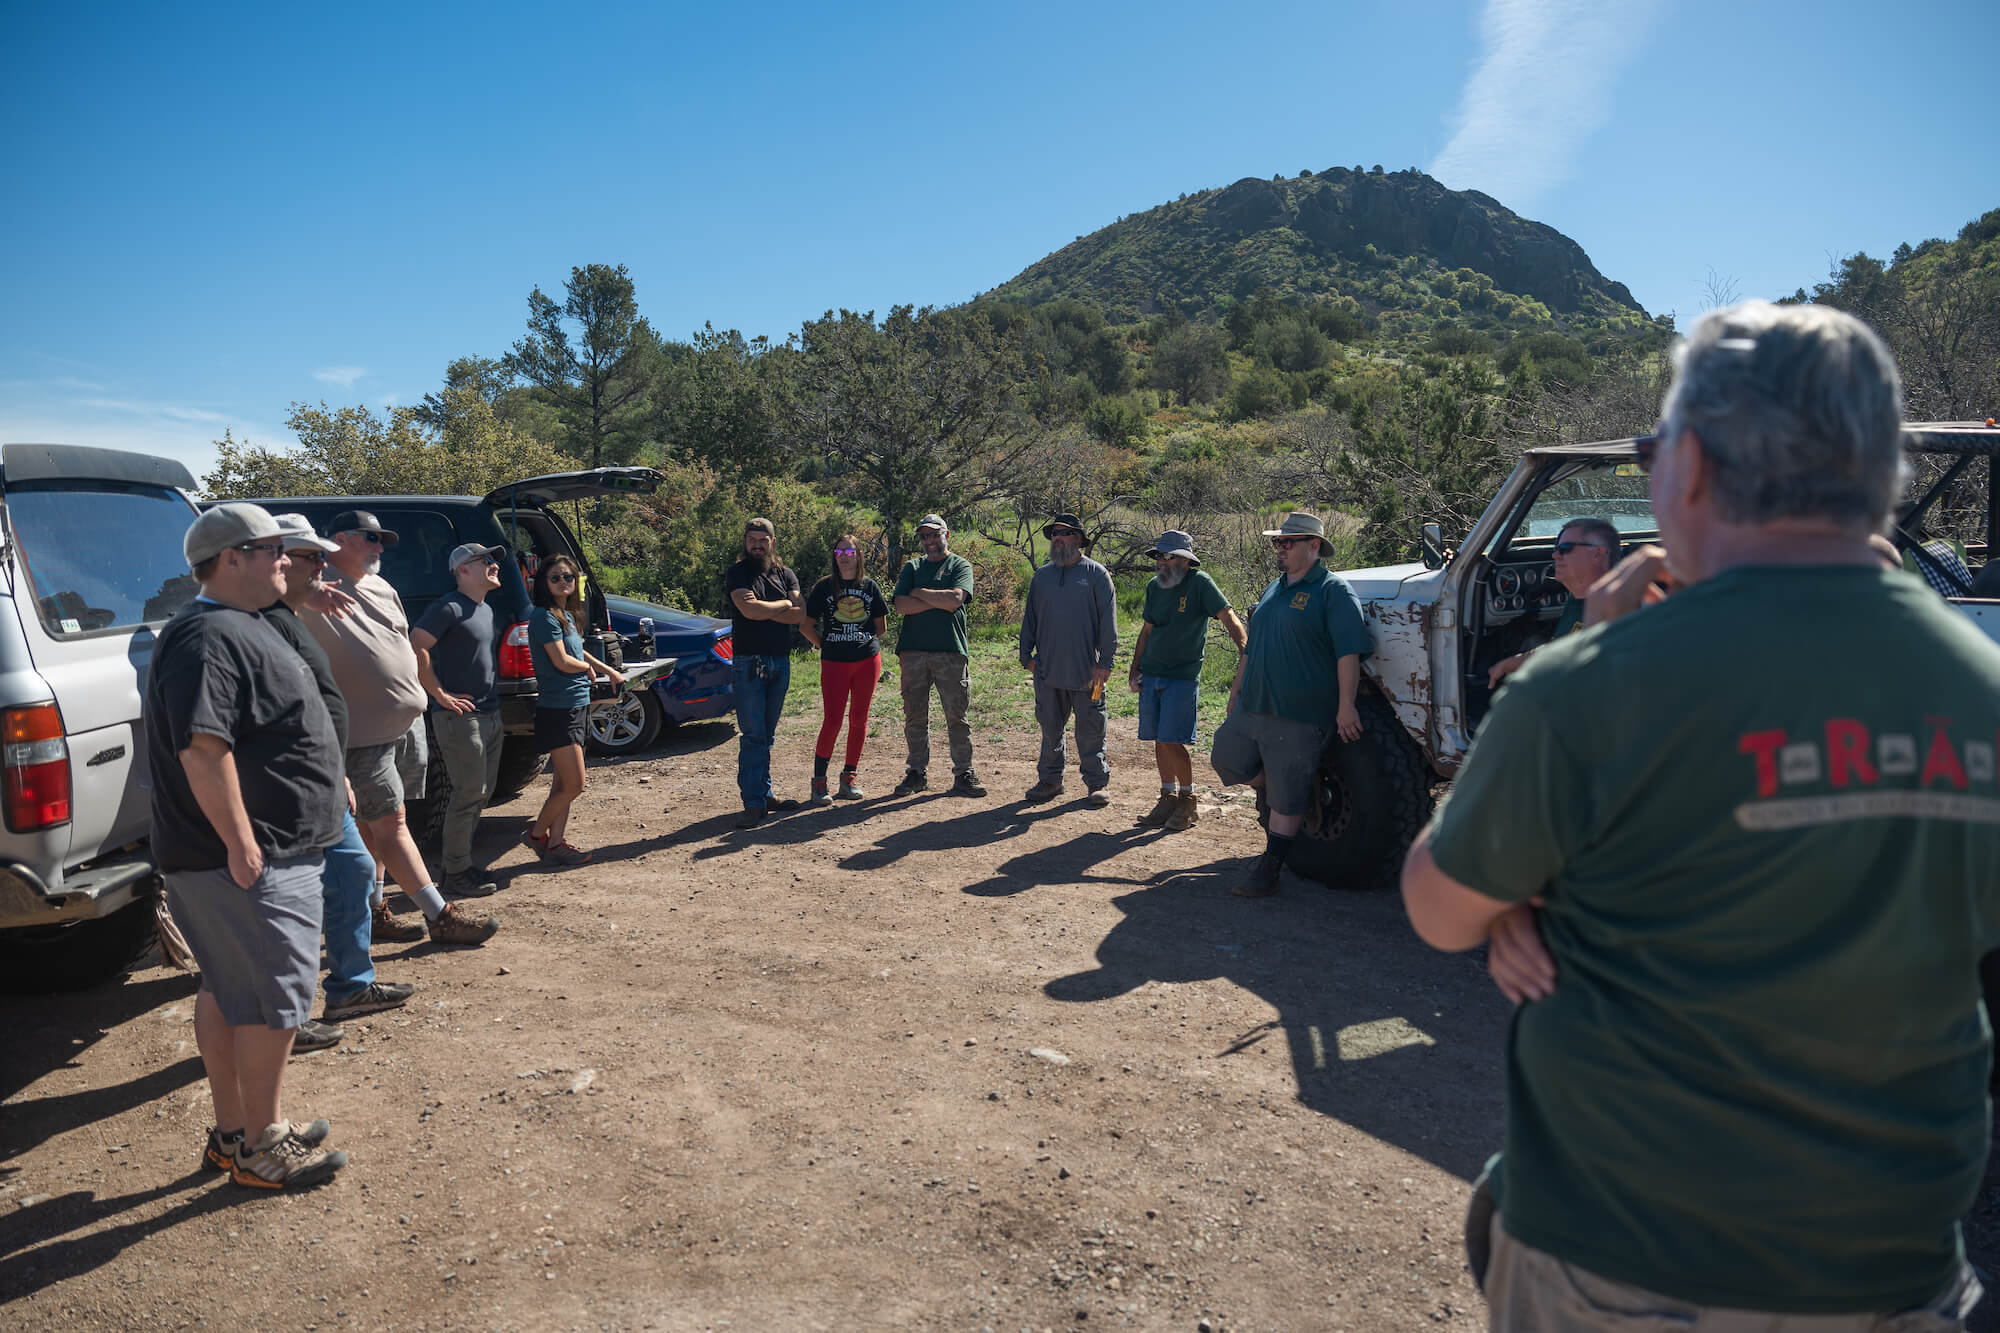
{"type": "Point", "coordinates": [1372, 236]}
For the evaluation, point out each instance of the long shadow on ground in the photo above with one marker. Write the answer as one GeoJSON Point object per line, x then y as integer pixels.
{"type": "Point", "coordinates": [1385, 1034]}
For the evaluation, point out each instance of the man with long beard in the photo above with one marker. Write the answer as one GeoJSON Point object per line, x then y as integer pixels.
{"type": "Point", "coordinates": [1166, 670]}
{"type": "Point", "coordinates": [764, 603]}
{"type": "Point", "coordinates": [1069, 639]}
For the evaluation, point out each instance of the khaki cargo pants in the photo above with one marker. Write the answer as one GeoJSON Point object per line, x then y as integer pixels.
{"type": "Point", "coordinates": [951, 674]}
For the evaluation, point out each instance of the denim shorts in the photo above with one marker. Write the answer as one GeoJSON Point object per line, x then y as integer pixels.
{"type": "Point", "coordinates": [1167, 710]}
{"type": "Point", "coordinates": [258, 948]}
{"type": "Point", "coordinates": [387, 776]}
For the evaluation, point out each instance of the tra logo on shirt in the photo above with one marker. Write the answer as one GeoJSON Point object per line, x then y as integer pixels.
{"type": "Point", "coordinates": [1300, 600]}
{"type": "Point", "coordinates": [1858, 765]}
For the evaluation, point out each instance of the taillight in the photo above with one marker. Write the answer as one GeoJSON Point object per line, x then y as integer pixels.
{"type": "Point", "coordinates": [725, 647]}
{"type": "Point", "coordinates": [36, 775]}
{"type": "Point", "coordinates": [516, 661]}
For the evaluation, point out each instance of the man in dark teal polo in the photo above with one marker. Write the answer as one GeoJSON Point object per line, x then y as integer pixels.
{"type": "Point", "coordinates": [1305, 631]}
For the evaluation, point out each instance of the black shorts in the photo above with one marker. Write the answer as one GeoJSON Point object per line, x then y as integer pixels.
{"type": "Point", "coordinates": [557, 727]}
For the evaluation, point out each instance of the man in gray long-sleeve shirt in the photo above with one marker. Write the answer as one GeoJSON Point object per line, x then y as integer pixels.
{"type": "Point", "coordinates": [1069, 639]}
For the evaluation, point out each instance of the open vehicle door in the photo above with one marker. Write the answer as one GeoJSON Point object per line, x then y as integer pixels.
{"type": "Point", "coordinates": [576, 486]}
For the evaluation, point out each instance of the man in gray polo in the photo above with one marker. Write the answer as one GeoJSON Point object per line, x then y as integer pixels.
{"type": "Point", "coordinates": [247, 797]}
{"type": "Point", "coordinates": [459, 666]}
{"type": "Point", "coordinates": [1069, 640]}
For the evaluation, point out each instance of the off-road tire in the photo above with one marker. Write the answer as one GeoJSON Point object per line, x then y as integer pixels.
{"type": "Point", "coordinates": [520, 765]}
{"type": "Point", "coordinates": [1374, 795]}
{"type": "Point", "coordinates": [35, 960]}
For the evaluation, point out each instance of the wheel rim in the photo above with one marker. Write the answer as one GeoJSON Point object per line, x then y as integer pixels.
{"type": "Point", "coordinates": [1336, 807]}
{"type": "Point", "coordinates": [617, 722]}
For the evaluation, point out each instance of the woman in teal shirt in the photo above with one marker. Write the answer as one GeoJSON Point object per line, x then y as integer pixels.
{"type": "Point", "coordinates": [562, 701]}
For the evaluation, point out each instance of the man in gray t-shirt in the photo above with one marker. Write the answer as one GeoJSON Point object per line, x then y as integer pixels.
{"type": "Point", "coordinates": [458, 664]}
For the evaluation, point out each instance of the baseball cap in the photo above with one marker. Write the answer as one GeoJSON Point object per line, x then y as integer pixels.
{"type": "Point", "coordinates": [470, 551]}
{"type": "Point", "coordinates": [360, 520]}
{"type": "Point", "coordinates": [930, 521]}
{"type": "Point", "coordinates": [762, 525]}
{"type": "Point", "coordinates": [225, 526]}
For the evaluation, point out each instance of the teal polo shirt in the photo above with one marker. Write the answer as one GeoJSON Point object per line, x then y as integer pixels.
{"type": "Point", "coordinates": [1298, 631]}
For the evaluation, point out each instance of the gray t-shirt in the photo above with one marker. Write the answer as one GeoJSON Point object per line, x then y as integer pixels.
{"type": "Point", "coordinates": [464, 656]}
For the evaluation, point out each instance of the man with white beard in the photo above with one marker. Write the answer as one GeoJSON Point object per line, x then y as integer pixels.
{"type": "Point", "coordinates": [1069, 639]}
{"type": "Point", "coordinates": [1166, 670]}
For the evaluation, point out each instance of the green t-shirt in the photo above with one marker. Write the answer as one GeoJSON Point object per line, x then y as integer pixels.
{"type": "Point", "coordinates": [1179, 617]}
{"type": "Point", "coordinates": [1571, 619]}
{"type": "Point", "coordinates": [1764, 817]}
{"type": "Point", "coordinates": [934, 631]}
{"type": "Point", "coordinates": [1298, 633]}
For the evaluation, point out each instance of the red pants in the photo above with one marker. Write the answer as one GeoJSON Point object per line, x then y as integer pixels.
{"type": "Point", "coordinates": [850, 685]}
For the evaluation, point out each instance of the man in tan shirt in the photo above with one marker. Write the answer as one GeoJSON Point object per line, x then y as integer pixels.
{"type": "Point", "coordinates": [376, 669]}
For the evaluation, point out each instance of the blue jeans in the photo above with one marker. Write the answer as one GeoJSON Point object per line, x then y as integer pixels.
{"type": "Point", "coordinates": [346, 886]}
{"type": "Point", "coordinates": [761, 682]}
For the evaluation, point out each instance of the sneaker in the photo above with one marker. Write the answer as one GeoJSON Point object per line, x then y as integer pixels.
{"type": "Point", "coordinates": [848, 791]}
{"type": "Point", "coordinates": [1097, 798]}
{"type": "Point", "coordinates": [565, 854]}
{"type": "Point", "coordinates": [1262, 881]}
{"type": "Point", "coordinates": [220, 1154]}
{"type": "Point", "coordinates": [912, 783]}
{"type": "Point", "coordinates": [1043, 791]}
{"type": "Point", "coordinates": [371, 999]}
{"type": "Point", "coordinates": [1183, 816]}
{"type": "Point", "coordinates": [314, 1035]}
{"type": "Point", "coordinates": [821, 796]}
{"type": "Point", "coordinates": [467, 884]}
{"type": "Point", "coordinates": [282, 1159]}
{"type": "Point", "coordinates": [752, 816]}
{"type": "Point", "coordinates": [967, 784]}
{"type": "Point", "coordinates": [455, 925]}
{"type": "Point", "coordinates": [384, 928]}
{"type": "Point", "coordinates": [538, 843]}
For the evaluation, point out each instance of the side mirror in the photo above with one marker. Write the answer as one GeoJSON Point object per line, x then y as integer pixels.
{"type": "Point", "coordinates": [1433, 546]}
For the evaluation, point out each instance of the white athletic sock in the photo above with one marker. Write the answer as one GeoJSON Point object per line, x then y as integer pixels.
{"type": "Point", "coordinates": [430, 900]}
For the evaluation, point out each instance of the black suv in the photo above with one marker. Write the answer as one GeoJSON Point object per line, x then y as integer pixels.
{"type": "Point", "coordinates": [520, 516]}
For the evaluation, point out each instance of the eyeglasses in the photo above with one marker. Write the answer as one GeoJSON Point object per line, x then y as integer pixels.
{"type": "Point", "coordinates": [309, 556]}
{"type": "Point", "coordinates": [1648, 446]}
{"type": "Point", "coordinates": [1564, 548]}
{"type": "Point", "coordinates": [260, 548]}
{"type": "Point", "coordinates": [1280, 543]}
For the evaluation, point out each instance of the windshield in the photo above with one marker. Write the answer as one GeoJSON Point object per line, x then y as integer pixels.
{"type": "Point", "coordinates": [1615, 493]}
{"type": "Point", "coordinates": [101, 555]}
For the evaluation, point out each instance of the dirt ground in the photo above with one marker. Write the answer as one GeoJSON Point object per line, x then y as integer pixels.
{"type": "Point", "coordinates": [920, 1063]}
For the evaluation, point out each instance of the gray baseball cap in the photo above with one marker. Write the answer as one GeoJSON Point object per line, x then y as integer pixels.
{"type": "Point", "coordinates": [471, 551]}
{"type": "Point", "coordinates": [297, 530]}
{"type": "Point", "coordinates": [225, 526]}
{"type": "Point", "coordinates": [931, 521]}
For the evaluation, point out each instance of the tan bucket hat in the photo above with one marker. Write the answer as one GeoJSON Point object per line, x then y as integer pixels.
{"type": "Point", "coordinates": [1299, 523]}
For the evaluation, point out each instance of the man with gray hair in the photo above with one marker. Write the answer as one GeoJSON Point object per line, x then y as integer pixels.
{"type": "Point", "coordinates": [1743, 912]}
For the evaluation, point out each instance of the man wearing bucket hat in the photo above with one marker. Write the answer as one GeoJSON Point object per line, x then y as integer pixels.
{"type": "Point", "coordinates": [1069, 639]}
{"type": "Point", "coordinates": [1306, 632]}
{"type": "Point", "coordinates": [1166, 670]}
{"type": "Point", "coordinates": [458, 663]}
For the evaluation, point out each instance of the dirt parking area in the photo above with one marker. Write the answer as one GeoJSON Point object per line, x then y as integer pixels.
{"type": "Point", "coordinates": [920, 1063]}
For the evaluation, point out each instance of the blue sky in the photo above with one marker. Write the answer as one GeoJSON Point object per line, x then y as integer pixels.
{"type": "Point", "coordinates": [215, 211]}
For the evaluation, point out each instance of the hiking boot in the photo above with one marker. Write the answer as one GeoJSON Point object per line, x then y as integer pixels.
{"type": "Point", "coordinates": [314, 1035]}
{"type": "Point", "coordinates": [1183, 816]}
{"type": "Point", "coordinates": [912, 783]}
{"type": "Point", "coordinates": [967, 784]}
{"type": "Point", "coordinates": [467, 884]}
{"type": "Point", "coordinates": [220, 1154]}
{"type": "Point", "coordinates": [282, 1160]}
{"type": "Point", "coordinates": [565, 854]}
{"type": "Point", "coordinates": [848, 791]}
{"type": "Point", "coordinates": [821, 796]}
{"type": "Point", "coordinates": [1097, 798]}
{"type": "Point", "coordinates": [384, 928]}
{"type": "Point", "coordinates": [752, 816]}
{"type": "Point", "coordinates": [455, 925]}
{"type": "Point", "coordinates": [1043, 791]}
{"type": "Point", "coordinates": [371, 999]}
{"type": "Point", "coordinates": [1262, 881]}
{"type": "Point", "coordinates": [781, 805]}
{"type": "Point", "coordinates": [1162, 808]}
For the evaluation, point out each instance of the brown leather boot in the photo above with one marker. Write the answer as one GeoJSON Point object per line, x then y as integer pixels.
{"type": "Point", "coordinates": [1183, 816]}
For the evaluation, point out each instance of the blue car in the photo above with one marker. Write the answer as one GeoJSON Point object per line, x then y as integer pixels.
{"type": "Point", "coordinates": [689, 676]}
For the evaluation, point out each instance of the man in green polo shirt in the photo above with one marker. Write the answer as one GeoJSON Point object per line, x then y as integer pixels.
{"type": "Point", "coordinates": [1166, 670]}
{"type": "Point", "coordinates": [931, 650]}
{"type": "Point", "coordinates": [1743, 911]}
{"type": "Point", "coordinates": [1306, 632]}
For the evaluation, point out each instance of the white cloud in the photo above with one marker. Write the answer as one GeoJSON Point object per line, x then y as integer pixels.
{"type": "Point", "coordinates": [341, 377]}
{"type": "Point", "coordinates": [1542, 87]}
{"type": "Point", "coordinates": [66, 411]}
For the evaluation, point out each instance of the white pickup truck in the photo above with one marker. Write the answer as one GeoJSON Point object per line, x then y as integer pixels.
{"type": "Point", "coordinates": [1442, 622]}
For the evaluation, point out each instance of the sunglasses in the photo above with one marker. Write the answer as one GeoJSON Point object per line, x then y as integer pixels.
{"type": "Point", "coordinates": [1280, 543]}
{"type": "Point", "coordinates": [1648, 446]}
{"type": "Point", "coordinates": [1564, 548]}
{"type": "Point", "coordinates": [562, 578]}
{"type": "Point", "coordinates": [260, 548]}
{"type": "Point", "coordinates": [309, 555]}
{"type": "Point", "coordinates": [372, 538]}
{"type": "Point", "coordinates": [845, 550]}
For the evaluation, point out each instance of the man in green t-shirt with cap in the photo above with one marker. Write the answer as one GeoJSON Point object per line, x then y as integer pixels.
{"type": "Point", "coordinates": [931, 595]}
{"type": "Point", "coordinates": [1742, 910]}
{"type": "Point", "coordinates": [1166, 670]}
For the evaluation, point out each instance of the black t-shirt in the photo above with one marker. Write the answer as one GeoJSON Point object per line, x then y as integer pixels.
{"type": "Point", "coordinates": [222, 672]}
{"type": "Point", "coordinates": [763, 638]}
{"type": "Point", "coordinates": [845, 615]}
{"type": "Point", "coordinates": [286, 621]}
{"type": "Point", "coordinates": [464, 656]}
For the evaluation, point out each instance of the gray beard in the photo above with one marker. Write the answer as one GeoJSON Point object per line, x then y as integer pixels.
{"type": "Point", "coordinates": [374, 564]}
{"type": "Point", "coordinates": [1170, 578]}
{"type": "Point", "coordinates": [1065, 556]}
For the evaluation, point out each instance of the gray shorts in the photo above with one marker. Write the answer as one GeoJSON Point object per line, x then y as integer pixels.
{"type": "Point", "coordinates": [1285, 752]}
{"type": "Point", "coordinates": [258, 948]}
{"type": "Point", "coordinates": [385, 776]}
